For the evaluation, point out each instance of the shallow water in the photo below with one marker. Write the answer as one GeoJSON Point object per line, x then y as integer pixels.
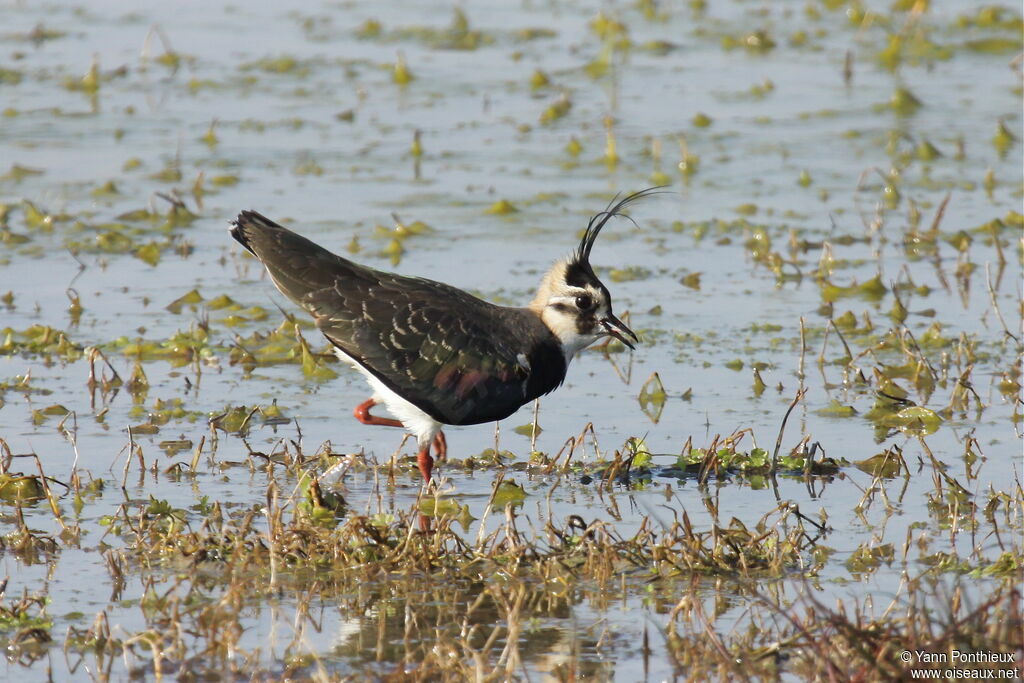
{"type": "Point", "coordinates": [290, 156]}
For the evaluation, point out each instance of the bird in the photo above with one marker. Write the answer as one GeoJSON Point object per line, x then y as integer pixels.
{"type": "Point", "coordinates": [434, 354]}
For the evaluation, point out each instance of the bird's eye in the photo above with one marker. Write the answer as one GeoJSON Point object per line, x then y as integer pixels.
{"type": "Point", "coordinates": [584, 302]}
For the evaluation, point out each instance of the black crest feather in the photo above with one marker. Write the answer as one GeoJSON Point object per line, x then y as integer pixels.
{"type": "Point", "coordinates": [614, 208]}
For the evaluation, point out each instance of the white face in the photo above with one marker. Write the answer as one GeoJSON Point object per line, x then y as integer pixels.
{"type": "Point", "coordinates": [572, 314]}
{"type": "Point", "coordinates": [578, 314]}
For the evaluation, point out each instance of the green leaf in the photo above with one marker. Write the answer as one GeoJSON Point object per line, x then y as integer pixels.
{"type": "Point", "coordinates": [641, 455]}
{"type": "Point", "coordinates": [528, 430]}
{"type": "Point", "coordinates": [502, 207]}
{"type": "Point", "coordinates": [836, 409]}
{"type": "Point", "coordinates": [508, 492]}
{"type": "Point", "coordinates": [150, 253]}
{"type": "Point", "coordinates": [222, 301]}
{"type": "Point", "coordinates": [915, 419]}
{"type": "Point", "coordinates": [885, 465]}
{"type": "Point", "coordinates": [14, 488]}
{"type": "Point", "coordinates": [189, 299]}
{"type": "Point", "coordinates": [652, 397]}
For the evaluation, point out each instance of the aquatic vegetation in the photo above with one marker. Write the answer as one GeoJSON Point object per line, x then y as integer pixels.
{"type": "Point", "coordinates": [41, 340]}
{"type": "Point", "coordinates": [557, 109]}
{"type": "Point", "coordinates": [501, 207]}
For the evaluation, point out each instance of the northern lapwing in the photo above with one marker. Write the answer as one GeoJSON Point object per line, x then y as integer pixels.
{"type": "Point", "coordinates": [434, 354]}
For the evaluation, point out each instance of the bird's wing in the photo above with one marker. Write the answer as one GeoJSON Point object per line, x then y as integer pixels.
{"type": "Point", "coordinates": [458, 358]}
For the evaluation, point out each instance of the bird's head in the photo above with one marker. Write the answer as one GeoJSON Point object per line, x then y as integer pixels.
{"type": "Point", "coordinates": [573, 302]}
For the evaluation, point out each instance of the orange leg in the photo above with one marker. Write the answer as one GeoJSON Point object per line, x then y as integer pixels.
{"type": "Point", "coordinates": [362, 413]}
{"type": "Point", "coordinates": [440, 446]}
{"type": "Point", "coordinates": [425, 462]}
{"type": "Point", "coordinates": [423, 459]}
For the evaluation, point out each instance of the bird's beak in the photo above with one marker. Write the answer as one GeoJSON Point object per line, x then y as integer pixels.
{"type": "Point", "coordinates": [614, 327]}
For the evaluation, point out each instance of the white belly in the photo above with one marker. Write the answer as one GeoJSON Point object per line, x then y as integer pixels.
{"type": "Point", "coordinates": [421, 425]}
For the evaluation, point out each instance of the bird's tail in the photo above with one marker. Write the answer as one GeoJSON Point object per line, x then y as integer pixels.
{"type": "Point", "coordinates": [245, 224]}
{"type": "Point", "coordinates": [248, 226]}
{"type": "Point", "coordinates": [297, 265]}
